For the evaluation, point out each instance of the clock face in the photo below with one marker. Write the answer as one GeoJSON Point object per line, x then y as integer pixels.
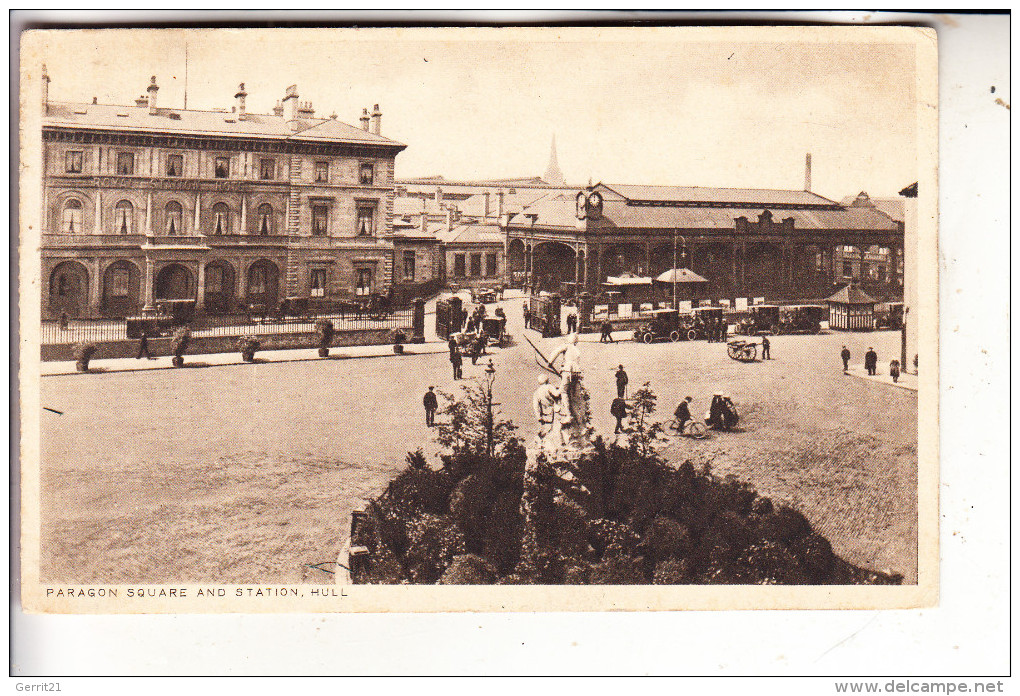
{"type": "Point", "coordinates": [581, 203]}
{"type": "Point", "coordinates": [595, 204]}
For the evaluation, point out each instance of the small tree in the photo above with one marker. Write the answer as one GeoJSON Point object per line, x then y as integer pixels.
{"type": "Point", "coordinates": [473, 426]}
{"type": "Point", "coordinates": [325, 330]}
{"type": "Point", "coordinates": [646, 432]}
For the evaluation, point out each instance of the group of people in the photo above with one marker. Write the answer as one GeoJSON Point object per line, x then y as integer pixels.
{"type": "Point", "coordinates": [871, 363]}
{"type": "Point", "coordinates": [714, 329]}
{"type": "Point", "coordinates": [722, 414]}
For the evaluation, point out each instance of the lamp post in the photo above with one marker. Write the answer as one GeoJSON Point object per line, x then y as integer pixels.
{"type": "Point", "coordinates": [683, 253]}
{"type": "Point", "coordinates": [490, 377]}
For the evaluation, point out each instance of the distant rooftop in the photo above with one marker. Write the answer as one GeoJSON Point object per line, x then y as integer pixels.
{"type": "Point", "coordinates": [694, 195]}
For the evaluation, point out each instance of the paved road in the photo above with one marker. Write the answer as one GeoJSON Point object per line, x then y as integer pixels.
{"type": "Point", "coordinates": [248, 473]}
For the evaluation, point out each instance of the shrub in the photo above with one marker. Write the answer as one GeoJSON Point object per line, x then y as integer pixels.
{"type": "Point", "coordinates": [673, 571]}
{"type": "Point", "coordinates": [83, 353]}
{"type": "Point", "coordinates": [422, 489]}
{"type": "Point", "coordinates": [469, 569]}
{"type": "Point", "coordinates": [433, 542]}
{"type": "Point", "coordinates": [248, 345]}
{"type": "Point", "coordinates": [770, 563]}
{"type": "Point", "coordinates": [416, 460]}
{"type": "Point", "coordinates": [501, 543]}
{"type": "Point", "coordinates": [325, 330]}
{"type": "Point", "coordinates": [618, 569]}
{"type": "Point", "coordinates": [814, 552]}
{"type": "Point", "coordinates": [784, 525]}
{"type": "Point", "coordinates": [667, 538]}
{"type": "Point", "coordinates": [179, 344]}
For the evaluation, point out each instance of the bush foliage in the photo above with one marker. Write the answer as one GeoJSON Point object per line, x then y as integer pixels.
{"type": "Point", "coordinates": [627, 517]}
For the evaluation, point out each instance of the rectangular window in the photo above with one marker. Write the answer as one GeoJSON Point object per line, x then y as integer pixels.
{"type": "Point", "coordinates": [476, 265]}
{"type": "Point", "coordinates": [125, 163]}
{"type": "Point", "coordinates": [222, 167]}
{"type": "Point", "coordinates": [848, 269]}
{"type": "Point", "coordinates": [120, 282]}
{"type": "Point", "coordinates": [213, 279]}
{"type": "Point", "coordinates": [409, 262]}
{"type": "Point", "coordinates": [490, 264]}
{"type": "Point", "coordinates": [175, 165]}
{"type": "Point", "coordinates": [367, 173]}
{"type": "Point", "coordinates": [366, 221]}
{"type": "Point", "coordinates": [267, 169]}
{"type": "Point", "coordinates": [364, 286]}
{"type": "Point", "coordinates": [320, 220]}
{"type": "Point", "coordinates": [73, 161]}
{"type": "Point", "coordinates": [880, 273]}
{"type": "Point", "coordinates": [318, 282]}
{"type": "Point", "coordinates": [322, 172]}
{"type": "Point", "coordinates": [458, 266]}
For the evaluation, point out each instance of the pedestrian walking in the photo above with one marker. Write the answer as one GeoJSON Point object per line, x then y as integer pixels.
{"type": "Point", "coordinates": [431, 405]}
{"type": "Point", "coordinates": [765, 345]}
{"type": "Point", "coordinates": [527, 316]}
{"type": "Point", "coordinates": [143, 346]}
{"type": "Point", "coordinates": [618, 409]}
{"type": "Point", "coordinates": [845, 354]}
{"type": "Point", "coordinates": [871, 361]}
{"type": "Point", "coordinates": [621, 382]}
{"type": "Point", "coordinates": [894, 370]}
{"type": "Point", "coordinates": [607, 332]}
{"type": "Point", "coordinates": [457, 361]}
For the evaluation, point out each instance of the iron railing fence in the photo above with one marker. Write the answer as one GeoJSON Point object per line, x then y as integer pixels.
{"type": "Point", "coordinates": [103, 330]}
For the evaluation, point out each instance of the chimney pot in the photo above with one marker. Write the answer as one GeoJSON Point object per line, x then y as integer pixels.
{"type": "Point", "coordinates": [807, 172]}
{"type": "Point", "coordinates": [376, 120]}
{"type": "Point", "coordinates": [364, 119]}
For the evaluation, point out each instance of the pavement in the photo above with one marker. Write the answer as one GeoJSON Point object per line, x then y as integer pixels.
{"type": "Point", "coordinates": [50, 369]}
{"type": "Point", "coordinates": [906, 380]}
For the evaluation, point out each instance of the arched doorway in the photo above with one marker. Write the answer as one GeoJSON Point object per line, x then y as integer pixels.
{"type": "Point", "coordinates": [175, 282]}
{"type": "Point", "coordinates": [554, 263]}
{"type": "Point", "coordinates": [516, 262]}
{"type": "Point", "coordinates": [121, 285]}
{"type": "Point", "coordinates": [714, 262]}
{"type": "Point", "coordinates": [219, 287]}
{"type": "Point", "coordinates": [69, 290]}
{"type": "Point", "coordinates": [263, 283]}
{"type": "Point", "coordinates": [623, 258]}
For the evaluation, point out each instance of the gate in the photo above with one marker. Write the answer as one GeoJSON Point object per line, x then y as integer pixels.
{"type": "Point", "coordinates": [545, 315]}
{"type": "Point", "coordinates": [449, 316]}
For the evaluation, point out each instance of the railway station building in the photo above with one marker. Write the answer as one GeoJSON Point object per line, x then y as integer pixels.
{"type": "Point", "coordinates": [748, 243]}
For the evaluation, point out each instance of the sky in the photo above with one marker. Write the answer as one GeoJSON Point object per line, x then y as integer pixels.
{"type": "Point", "coordinates": [657, 107]}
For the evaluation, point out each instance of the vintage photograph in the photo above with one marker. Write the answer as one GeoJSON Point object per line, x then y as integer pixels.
{"type": "Point", "coordinates": [318, 317]}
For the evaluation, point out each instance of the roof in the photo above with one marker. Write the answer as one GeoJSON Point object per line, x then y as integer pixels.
{"type": "Point", "coordinates": [850, 294]}
{"type": "Point", "coordinates": [893, 207]}
{"type": "Point", "coordinates": [703, 194]}
{"type": "Point", "coordinates": [680, 275]}
{"type": "Point", "coordinates": [472, 234]}
{"type": "Point", "coordinates": [212, 123]}
{"type": "Point", "coordinates": [627, 280]}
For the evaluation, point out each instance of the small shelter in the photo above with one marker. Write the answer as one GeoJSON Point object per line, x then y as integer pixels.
{"type": "Point", "coordinates": [686, 282]}
{"type": "Point", "coordinates": [851, 309]}
{"type": "Point", "coordinates": [629, 288]}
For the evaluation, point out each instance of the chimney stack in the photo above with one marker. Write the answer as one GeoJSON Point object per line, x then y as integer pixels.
{"type": "Point", "coordinates": [364, 120]}
{"type": "Point", "coordinates": [240, 97]}
{"type": "Point", "coordinates": [449, 219]}
{"type": "Point", "coordinates": [45, 90]}
{"type": "Point", "coordinates": [142, 101]}
{"type": "Point", "coordinates": [439, 198]}
{"type": "Point", "coordinates": [501, 203]}
{"type": "Point", "coordinates": [152, 89]}
{"type": "Point", "coordinates": [278, 109]}
{"type": "Point", "coordinates": [290, 107]}
{"type": "Point", "coordinates": [376, 120]}
{"type": "Point", "coordinates": [305, 110]}
{"type": "Point", "coordinates": [807, 172]}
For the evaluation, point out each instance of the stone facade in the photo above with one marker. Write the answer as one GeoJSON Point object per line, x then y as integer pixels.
{"type": "Point", "coordinates": [229, 209]}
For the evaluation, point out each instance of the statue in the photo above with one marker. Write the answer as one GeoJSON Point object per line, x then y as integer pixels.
{"type": "Point", "coordinates": [575, 418]}
{"type": "Point", "coordinates": [545, 403]}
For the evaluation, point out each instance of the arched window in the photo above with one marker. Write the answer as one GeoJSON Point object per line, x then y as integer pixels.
{"type": "Point", "coordinates": [265, 215]}
{"type": "Point", "coordinates": [71, 221]}
{"type": "Point", "coordinates": [124, 217]}
{"type": "Point", "coordinates": [221, 219]}
{"type": "Point", "coordinates": [174, 218]}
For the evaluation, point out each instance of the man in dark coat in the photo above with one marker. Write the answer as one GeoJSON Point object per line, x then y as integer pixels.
{"type": "Point", "coordinates": [143, 346]}
{"type": "Point", "coordinates": [455, 359]}
{"type": "Point", "coordinates": [683, 413]}
{"type": "Point", "coordinates": [845, 354]}
{"type": "Point", "coordinates": [765, 345]}
{"type": "Point", "coordinates": [621, 382]}
{"type": "Point", "coordinates": [527, 316]}
{"type": "Point", "coordinates": [871, 361]}
{"type": "Point", "coordinates": [607, 332]}
{"type": "Point", "coordinates": [431, 406]}
{"type": "Point", "coordinates": [618, 410]}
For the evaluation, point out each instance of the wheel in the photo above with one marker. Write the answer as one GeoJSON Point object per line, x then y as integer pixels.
{"type": "Point", "coordinates": [749, 353]}
{"type": "Point", "coordinates": [648, 337]}
{"type": "Point", "coordinates": [696, 429]}
{"type": "Point", "coordinates": [674, 336]}
{"type": "Point", "coordinates": [733, 351]}
{"type": "Point", "coordinates": [691, 334]}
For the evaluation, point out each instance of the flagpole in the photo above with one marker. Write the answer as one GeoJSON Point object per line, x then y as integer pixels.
{"type": "Point", "coordinates": [675, 306]}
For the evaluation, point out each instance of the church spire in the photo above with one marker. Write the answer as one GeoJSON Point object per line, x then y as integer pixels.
{"type": "Point", "coordinates": [553, 175]}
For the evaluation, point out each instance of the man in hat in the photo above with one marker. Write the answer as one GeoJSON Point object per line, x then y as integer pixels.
{"type": "Point", "coordinates": [607, 332]}
{"type": "Point", "coordinates": [431, 406]}
{"type": "Point", "coordinates": [621, 383]}
{"type": "Point", "coordinates": [871, 361]}
{"type": "Point", "coordinates": [683, 413]}
{"type": "Point", "coordinates": [618, 409]}
{"type": "Point", "coordinates": [765, 345]}
{"type": "Point", "coordinates": [845, 355]}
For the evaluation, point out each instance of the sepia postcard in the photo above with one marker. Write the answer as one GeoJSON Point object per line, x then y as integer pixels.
{"type": "Point", "coordinates": [478, 319]}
